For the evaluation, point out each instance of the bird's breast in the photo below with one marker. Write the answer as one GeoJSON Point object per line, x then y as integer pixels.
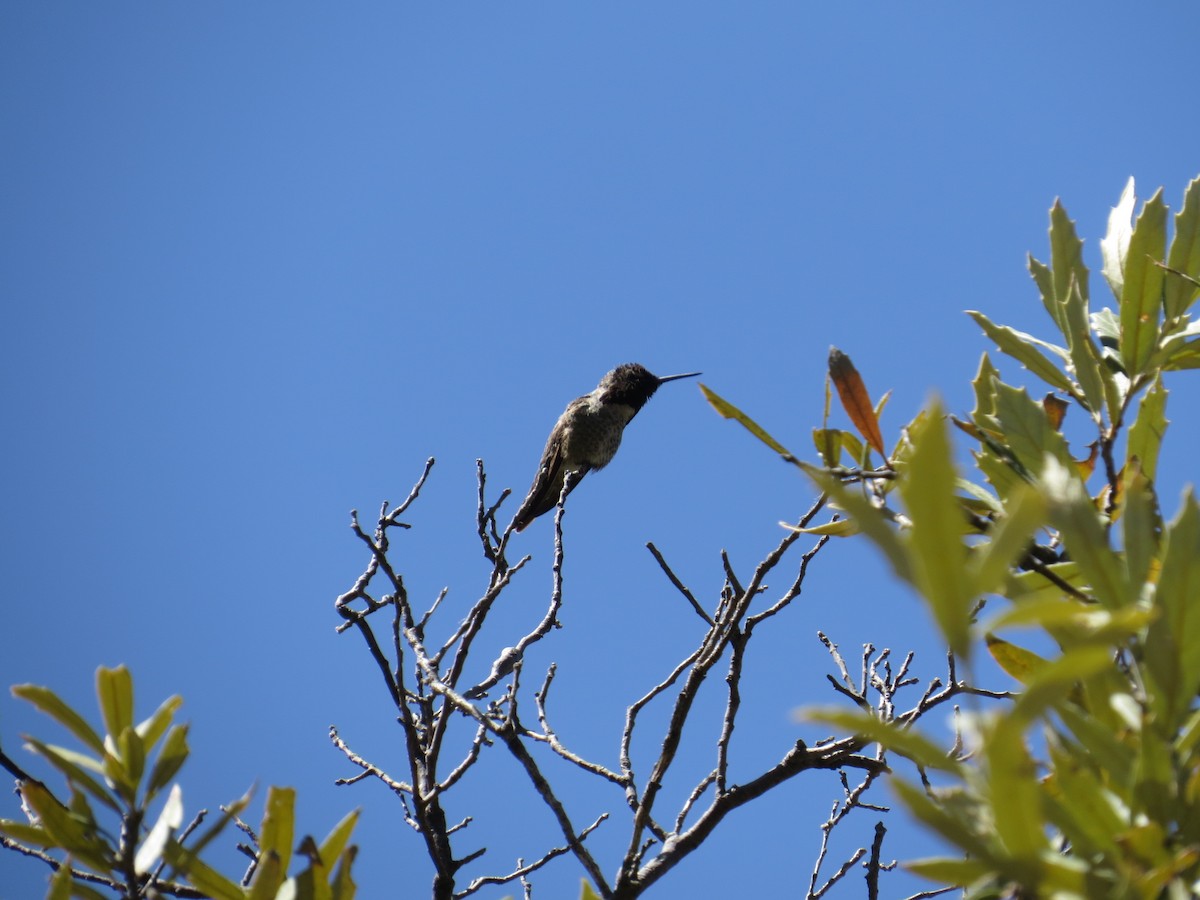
{"type": "Point", "coordinates": [594, 430]}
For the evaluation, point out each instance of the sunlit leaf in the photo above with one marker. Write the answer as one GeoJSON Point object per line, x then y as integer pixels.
{"type": "Point", "coordinates": [938, 555]}
{"type": "Point", "coordinates": [1146, 433]}
{"type": "Point", "coordinates": [169, 820]}
{"type": "Point", "coordinates": [1018, 662]}
{"type": "Point", "coordinates": [870, 521]}
{"type": "Point", "coordinates": [837, 528]}
{"type": "Point", "coordinates": [1066, 261]}
{"type": "Point", "coordinates": [1114, 247]}
{"type": "Point", "coordinates": [1024, 348]}
{"type": "Point", "coordinates": [114, 688]}
{"type": "Point", "coordinates": [279, 823]}
{"type": "Point", "coordinates": [904, 741]}
{"type": "Point", "coordinates": [52, 705]}
{"type": "Point", "coordinates": [1072, 513]}
{"type": "Point", "coordinates": [728, 411]}
{"type": "Point", "coordinates": [1027, 430]}
{"type": "Point", "coordinates": [1173, 641]}
{"type": "Point", "coordinates": [1141, 297]}
{"type": "Point", "coordinates": [1010, 539]}
{"type": "Point", "coordinates": [333, 845]}
{"type": "Point", "coordinates": [171, 757]}
{"type": "Point", "coordinates": [1013, 790]}
{"type": "Point", "coordinates": [1184, 255]}
{"type": "Point", "coordinates": [156, 726]}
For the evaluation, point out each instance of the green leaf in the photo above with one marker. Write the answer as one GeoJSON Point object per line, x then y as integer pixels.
{"type": "Point", "coordinates": [77, 768]}
{"type": "Point", "coordinates": [938, 816]}
{"type": "Point", "coordinates": [837, 528]}
{"type": "Point", "coordinates": [60, 884]}
{"type": "Point", "coordinates": [342, 884]}
{"type": "Point", "coordinates": [904, 741]}
{"type": "Point", "coordinates": [1173, 640]}
{"type": "Point", "coordinates": [202, 876]}
{"type": "Point", "coordinates": [170, 758]}
{"type": "Point", "coordinates": [78, 837]}
{"type": "Point", "coordinates": [1066, 260]}
{"type": "Point", "coordinates": [870, 520]}
{"type": "Point", "coordinates": [48, 702]}
{"type": "Point", "coordinates": [1018, 662]}
{"type": "Point", "coordinates": [984, 384]}
{"type": "Point", "coordinates": [587, 892]}
{"type": "Point", "coordinates": [1184, 256]}
{"type": "Point", "coordinates": [958, 872]}
{"type": "Point", "coordinates": [169, 820]}
{"type": "Point", "coordinates": [1024, 348]}
{"type": "Point", "coordinates": [1027, 430]}
{"type": "Point", "coordinates": [1141, 524]}
{"type": "Point", "coordinates": [1086, 360]}
{"type": "Point", "coordinates": [936, 549]}
{"type": "Point", "coordinates": [1114, 247]}
{"type": "Point", "coordinates": [1014, 791]}
{"type": "Point", "coordinates": [1142, 295]}
{"type": "Point", "coordinates": [154, 727]}
{"type": "Point", "coordinates": [728, 411]}
{"type": "Point", "coordinates": [1072, 513]}
{"type": "Point", "coordinates": [114, 688]}
{"type": "Point", "coordinates": [278, 825]}
{"type": "Point", "coordinates": [268, 877]}
{"type": "Point", "coordinates": [335, 842]}
{"type": "Point", "coordinates": [133, 756]}
{"type": "Point", "coordinates": [1146, 433]}
{"type": "Point", "coordinates": [1055, 680]}
{"type": "Point", "coordinates": [828, 442]}
{"type": "Point", "coordinates": [1010, 538]}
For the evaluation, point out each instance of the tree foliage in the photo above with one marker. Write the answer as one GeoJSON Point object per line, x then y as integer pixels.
{"type": "Point", "coordinates": [1088, 784]}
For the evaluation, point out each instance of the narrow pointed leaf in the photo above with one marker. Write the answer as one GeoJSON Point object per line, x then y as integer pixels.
{"type": "Point", "coordinates": [1114, 247]}
{"type": "Point", "coordinates": [342, 884]}
{"type": "Point", "coordinates": [78, 768]}
{"type": "Point", "coordinates": [1010, 539]}
{"type": "Point", "coordinates": [1141, 525]}
{"type": "Point", "coordinates": [1066, 261]}
{"type": "Point", "coordinates": [114, 688]}
{"type": "Point", "coordinates": [1014, 792]}
{"type": "Point", "coordinates": [1173, 641]}
{"type": "Point", "coordinates": [77, 837]}
{"type": "Point", "coordinates": [1146, 433]}
{"type": "Point", "coordinates": [938, 554]}
{"type": "Point", "coordinates": [1184, 255]}
{"type": "Point", "coordinates": [1018, 662]}
{"type": "Point", "coordinates": [1024, 348]}
{"type": "Point", "coordinates": [870, 521]}
{"type": "Point", "coordinates": [156, 726]}
{"type": "Point", "coordinates": [728, 411]}
{"type": "Point", "coordinates": [169, 820]}
{"type": "Point", "coordinates": [278, 825]}
{"type": "Point", "coordinates": [52, 705]}
{"type": "Point", "coordinates": [904, 741]}
{"type": "Point", "coordinates": [1142, 295]}
{"type": "Point", "coordinates": [1086, 359]}
{"type": "Point", "coordinates": [171, 757]}
{"type": "Point", "coordinates": [1027, 430]}
{"type": "Point", "coordinates": [855, 399]}
{"type": "Point", "coordinates": [337, 839]}
{"type": "Point", "coordinates": [1072, 513]}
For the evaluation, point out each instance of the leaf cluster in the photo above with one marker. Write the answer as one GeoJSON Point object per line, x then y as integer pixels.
{"type": "Point", "coordinates": [1088, 784]}
{"type": "Point", "coordinates": [103, 838]}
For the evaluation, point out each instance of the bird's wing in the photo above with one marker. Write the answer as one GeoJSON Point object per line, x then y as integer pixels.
{"type": "Point", "coordinates": [548, 483]}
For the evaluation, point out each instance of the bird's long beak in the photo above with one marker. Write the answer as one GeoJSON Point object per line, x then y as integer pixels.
{"type": "Point", "coordinates": [667, 378]}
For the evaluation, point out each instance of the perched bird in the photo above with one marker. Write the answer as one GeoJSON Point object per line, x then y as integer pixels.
{"type": "Point", "coordinates": [587, 435]}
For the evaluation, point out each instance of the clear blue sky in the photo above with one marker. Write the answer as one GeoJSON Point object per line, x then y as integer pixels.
{"type": "Point", "coordinates": [258, 261]}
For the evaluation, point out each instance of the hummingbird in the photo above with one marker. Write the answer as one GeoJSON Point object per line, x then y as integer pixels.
{"type": "Point", "coordinates": [588, 433]}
